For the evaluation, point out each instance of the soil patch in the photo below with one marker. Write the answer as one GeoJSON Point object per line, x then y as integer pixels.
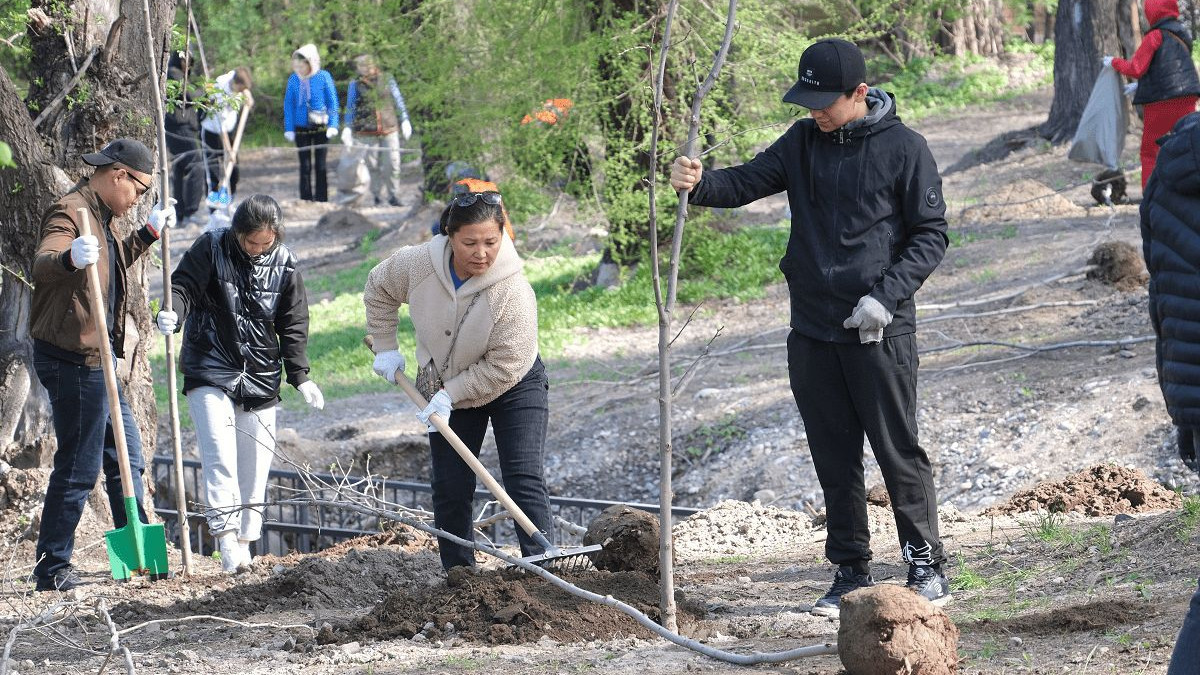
{"type": "Point", "coordinates": [629, 538]}
{"type": "Point", "coordinates": [889, 630]}
{"type": "Point", "coordinates": [1074, 619]}
{"type": "Point", "coordinates": [1104, 490]}
{"type": "Point", "coordinates": [511, 607]}
{"type": "Point", "coordinates": [1120, 264]}
{"type": "Point", "coordinates": [1022, 200]}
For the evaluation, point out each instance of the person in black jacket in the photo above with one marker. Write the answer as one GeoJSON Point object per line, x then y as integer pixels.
{"type": "Point", "coordinates": [246, 321]}
{"type": "Point", "coordinates": [868, 227]}
{"type": "Point", "coordinates": [182, 126]}
{"type": "Point", "coordinates": [1171, 244]}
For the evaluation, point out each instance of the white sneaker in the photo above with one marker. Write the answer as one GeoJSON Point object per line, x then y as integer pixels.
{"type": "Point", "coordinates": [231, 552]}
{"type": "Point", "coordinates": [244, 545]}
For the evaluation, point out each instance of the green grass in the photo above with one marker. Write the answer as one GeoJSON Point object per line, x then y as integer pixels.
{"type": "Point", "coordinates": [744, 263]}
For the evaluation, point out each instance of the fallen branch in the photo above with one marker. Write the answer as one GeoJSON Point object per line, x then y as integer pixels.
{"type": "Point", "coordinates": [1006, 295]}
{"type": "Point", "coordinates": [211, 617]}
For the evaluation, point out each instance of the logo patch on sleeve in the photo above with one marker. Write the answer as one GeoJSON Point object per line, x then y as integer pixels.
{"type": "Point", "coordinates": [932, 198]}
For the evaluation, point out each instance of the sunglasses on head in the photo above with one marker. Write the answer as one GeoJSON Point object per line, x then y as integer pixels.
{"type": "Point", "coordinates": [465, 199]}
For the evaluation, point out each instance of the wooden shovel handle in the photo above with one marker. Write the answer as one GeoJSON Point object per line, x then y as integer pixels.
{"type": "Point", "coordinates": [106, 362]}
{"type": "Point", "coordinates": [469, 457]}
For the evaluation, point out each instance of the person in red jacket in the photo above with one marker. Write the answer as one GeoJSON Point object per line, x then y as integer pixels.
{"type": "Point", "coordinates": [1167, 84]}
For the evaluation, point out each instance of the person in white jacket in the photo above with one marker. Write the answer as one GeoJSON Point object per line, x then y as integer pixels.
{"type": "Point", "coordinates": [233, 93]}
{"type": "Point", "coordinates": [475, 319]}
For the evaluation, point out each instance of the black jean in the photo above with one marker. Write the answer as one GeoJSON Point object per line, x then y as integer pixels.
{"type": "Point", "coordinates": [311, 142]}
{"type": "Point", "coordinates": [1186, 658]}
{"type": "Point", "coordinates": [79, 405]}
{"type": "Point", "coordinates": [214, 154]}
{"type": "Point", "coordinates": [187, 169]}
{"type": "Point", "coordinates": [518, 418]}
{"type": "Point", "coordinates": [846, 391]}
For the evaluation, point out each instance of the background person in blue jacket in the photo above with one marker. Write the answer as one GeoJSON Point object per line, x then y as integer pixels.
{"type": "Point", "coordinates": [868, 227]}
{"type": "Point", "coordinates": [310, 116]}
{"type": "Point", "coordinates": [1170, 242]}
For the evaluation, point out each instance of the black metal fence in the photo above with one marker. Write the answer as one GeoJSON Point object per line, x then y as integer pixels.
{"type": "Point", "coordinates": [306, 528]}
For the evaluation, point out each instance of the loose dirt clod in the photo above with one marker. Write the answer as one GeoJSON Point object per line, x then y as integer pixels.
{"type": "Point", "coordinates": [1119, 264]}
{"type": "Point", "coordinates": [629, 537]}
{"type": "Point", "coordinates": [889, 630]}
{"type": "Point", "coordinates": [1104, 490]}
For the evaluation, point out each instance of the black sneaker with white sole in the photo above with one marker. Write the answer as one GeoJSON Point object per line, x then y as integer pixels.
{"type": "Point", "coordinates": [63, 579]}
{"type": "Point", "coordinates": [844, 581]}
{"type": "Point", "coordinates": [929, 583]}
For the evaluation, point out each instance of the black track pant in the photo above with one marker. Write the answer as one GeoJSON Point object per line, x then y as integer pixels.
{"type": "Point", "coordinates": [846, 391]}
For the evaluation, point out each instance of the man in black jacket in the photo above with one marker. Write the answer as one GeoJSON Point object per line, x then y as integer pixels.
{"type": "Point", "coordinates": [868, 227]}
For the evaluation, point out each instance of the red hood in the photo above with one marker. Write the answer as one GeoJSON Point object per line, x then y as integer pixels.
{"type": "Point", "coordinates": [1157, 10]}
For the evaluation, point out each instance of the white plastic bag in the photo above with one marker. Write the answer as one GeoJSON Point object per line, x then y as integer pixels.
{"type": "Point", "coordinates": [1100, 137]}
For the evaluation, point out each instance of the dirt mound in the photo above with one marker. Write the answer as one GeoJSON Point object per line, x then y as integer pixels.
{"type": "Point", "coordinates": [741, 528]}
{"type": "Point", "coordinates": [889, 630]}
{"type": "Point", "coordinates": [347, 220]}
{"type": "Point", "coordinates": [1104, 490]}
{"type": "Point", "coordinates": [1023, 200]}
{"type": "Point", "coordinates": [1119, 264]}
{"type": "Point", "coordinates": [629, 537]}
{"type": "Point", "coordinates": [511, 607]}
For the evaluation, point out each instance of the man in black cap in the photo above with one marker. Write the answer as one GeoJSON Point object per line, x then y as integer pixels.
{"type": "Point", "coordinates": [66, 346]}
{"type": "Point", "coordinates": [868, 227]}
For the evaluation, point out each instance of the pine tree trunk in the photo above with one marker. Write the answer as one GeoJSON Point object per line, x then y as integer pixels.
{"type": "Point", "coordinates": [1085, 31]}
{"type": "Point", "coordinates": [112, 99]}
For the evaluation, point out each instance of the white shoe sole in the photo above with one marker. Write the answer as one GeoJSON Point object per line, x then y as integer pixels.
{"type": "Point", "coordinates": [831, 612]}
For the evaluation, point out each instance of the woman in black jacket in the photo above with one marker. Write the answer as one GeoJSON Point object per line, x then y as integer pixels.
{"type": "Point", "coordinates": [246, 313]}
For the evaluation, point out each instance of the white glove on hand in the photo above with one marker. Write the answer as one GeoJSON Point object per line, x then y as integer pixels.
{"type": "Point", "coordinates": [312, 395]}
{"type": "Point", "coordinates": [167, 321]}
{"type": "Point", "coordinates": [387, 363]}
{"type": "Point", "coordinates": [685, 173]}
{"type": "Point", "coordinates": [162, 217]}
{"type": "Point", "coordinates": [1107, 61]}
{"type": "Point", "coordinates": [405, 129]}
{"type": "Point", "coordinates": [330, 132]}
{"type": "Point", "coordinates": [1131, 89]}
{"type": "Point", "coordinates": [869, 317]}
{"type": "Point", "coordinates": [347, 137]}
{"type": "Point", "coordinates": [440, 405]}
{"type": "Point", "coordinates": [290, 136]}
{"type": "Point", "coordinates": [85, 250]}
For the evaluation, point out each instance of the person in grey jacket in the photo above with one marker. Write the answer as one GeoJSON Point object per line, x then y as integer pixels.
{"type": "Point", "coordinates": [475, 319]}
{"type": "Point", "coordinates": [868, 227]}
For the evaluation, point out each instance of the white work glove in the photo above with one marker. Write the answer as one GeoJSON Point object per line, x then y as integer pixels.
{"type": "Point", "coordinates": [685, 173]}
{"type": "Point", "coordinates": [290, 136]}
{"type": "Point", "coordinates": [348, 137]}
{"type": "Point", "coordinates": [1131, 89]}
{"type": "Point", "coordinates": [167, 321]}
{"type": "Point", "coordinates": [405, 129]}
{"type": "Point", "coordinates": [1107, 61]}
{"type": "Point", "coordinates": [312, 395]}
{"type": "Point", "coordinates": [85, 250]}
{"type": "Point", "coordinates": [440, 405]}
{"type": "Point", "coordinates": [869, 317]}
{"type": "Point", "coordinates": [162, 217]}
{"type": "Point", "coordinates": [387, 363]}
{"type": "Point", "coordinates": [330, 132]}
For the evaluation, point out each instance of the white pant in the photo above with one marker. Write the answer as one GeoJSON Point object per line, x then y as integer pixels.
{"type": "Point", "coordinates": [383, 162]}
{"type": "Point", "coordinates": [236, 449]}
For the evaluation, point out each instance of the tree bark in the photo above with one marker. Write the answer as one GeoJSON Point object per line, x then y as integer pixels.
{"type": "Point", "coordinates": [1085, 31]}
{"type": "Point", "coordinates": [113, 99]}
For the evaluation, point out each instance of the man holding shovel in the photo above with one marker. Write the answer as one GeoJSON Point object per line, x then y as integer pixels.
{"type": "Point", "coordinates": [868, 227]}
{"type": "Point", "coordinates": [67, 348]}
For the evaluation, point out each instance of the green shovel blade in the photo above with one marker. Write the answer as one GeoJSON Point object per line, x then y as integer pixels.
{"type": "Point", "coordinates": [137, 548]}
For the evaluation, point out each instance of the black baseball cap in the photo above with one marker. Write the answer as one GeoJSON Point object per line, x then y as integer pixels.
{"type": "Point", "coordinates": [828, 69]}
{"type": "Point", "coordinates": [131, 153]}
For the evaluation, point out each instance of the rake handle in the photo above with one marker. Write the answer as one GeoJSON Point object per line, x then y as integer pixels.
{"type": "Point", "coordinates": [473, 462]}
{"type": "Point", "coordinates": [116, 421]}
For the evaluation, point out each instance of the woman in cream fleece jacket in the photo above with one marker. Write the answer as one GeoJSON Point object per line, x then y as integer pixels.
{"type": "Point", "coordinates": [475, 319]}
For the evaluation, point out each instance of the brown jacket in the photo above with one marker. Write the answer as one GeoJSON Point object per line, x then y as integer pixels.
{"type": "Point", "coordinates": [61, 313]}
